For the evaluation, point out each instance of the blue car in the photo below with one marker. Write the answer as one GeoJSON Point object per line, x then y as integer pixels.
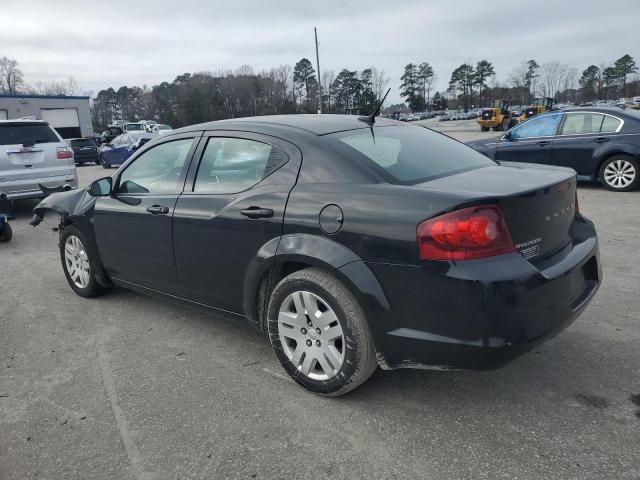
{"type": "Point", "coordinates": [122, 147]}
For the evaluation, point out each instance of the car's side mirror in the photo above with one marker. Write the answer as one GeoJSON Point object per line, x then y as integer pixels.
{"type": "Point", "coordinates": [101, 187]}
{"type": "Point", "coordinates": [508, 137]}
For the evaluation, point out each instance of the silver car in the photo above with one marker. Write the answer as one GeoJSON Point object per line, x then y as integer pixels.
{"type": "Point", "coordinates": [33, 154]}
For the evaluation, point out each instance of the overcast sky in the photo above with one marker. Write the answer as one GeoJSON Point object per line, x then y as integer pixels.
{"type": "Point", "coordinates": [115, 42]}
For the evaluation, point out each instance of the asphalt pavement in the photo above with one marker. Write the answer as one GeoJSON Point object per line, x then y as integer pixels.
{"type": "Point", "coordinates": [130, 387]}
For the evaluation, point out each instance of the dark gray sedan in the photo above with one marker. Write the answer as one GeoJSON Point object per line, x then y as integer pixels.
{"type": "Point", "coordinates": [600, 144]}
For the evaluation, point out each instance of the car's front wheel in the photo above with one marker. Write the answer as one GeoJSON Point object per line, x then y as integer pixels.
{"type": "Point", "coordinates": [319, 333]}
{"type": "Point", "coordinates": [78, 263]}
{"type": "Point", "coordinates": [620, 173]}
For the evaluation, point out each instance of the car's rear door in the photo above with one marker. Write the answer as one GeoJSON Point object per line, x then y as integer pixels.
{"type": "Point", "coordinates": [581, 133]}
{"type": "Point", "coordinates": [233, 204]}
{"type": "Point", "coordinates": [531, 141]}
{"type": "Point", "coordinates": [133, 226]}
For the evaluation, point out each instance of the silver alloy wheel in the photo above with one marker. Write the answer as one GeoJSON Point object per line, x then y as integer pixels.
{"type": "Point", "coordinates": [311, 335]}
{"type": "Point", "coordinates": [76, 261]}
{"type": "Point", "coordinates": [619, 173]}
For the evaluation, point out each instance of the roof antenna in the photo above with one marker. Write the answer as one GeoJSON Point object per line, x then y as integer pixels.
{"type": "Point", "coordinates": [371, 119]}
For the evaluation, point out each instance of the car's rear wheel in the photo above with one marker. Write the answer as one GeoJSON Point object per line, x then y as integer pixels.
{"type": "Point", "coordinates": [78, 263]}
{"type": "Point", "coordinates": [484, 129]}
{"type": "Point", "coordinates": [319, 333]}
{"type": "Point", "coordinates": [620, 173]}
{"type": "Point", "coordinates": [104, 162]}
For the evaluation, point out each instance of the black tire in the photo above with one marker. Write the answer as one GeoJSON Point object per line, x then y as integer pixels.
{"type": "Point", "coordinates": [484, 129]}
{"type": "Point", "coordinates": [92, 288]}
{"type": "Point", "coordinates": [104, 163]}
{"type": "Point", "coordinates": [359, 352]}
{"type": "Point", "coordinates": [7, 233]}
{"type": "Point", "coordinates": [629, 166]}
{"type": "Point", "coordinates": [97, 161]}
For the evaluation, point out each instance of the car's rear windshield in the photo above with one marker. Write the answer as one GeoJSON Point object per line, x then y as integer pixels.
{"type": "Point", "coordinates": [21, 134]}
{"type": "Point", "coordinates": [134, 126]}
{"type": "Point", "coordinates": [83, 142]}
{"type": "Point", "coordinates": [410, 155]}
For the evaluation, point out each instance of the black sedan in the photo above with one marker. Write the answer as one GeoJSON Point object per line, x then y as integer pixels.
{"type": "Point", "coordinates": [600, 144]}
{"type": "Point", "coordinates": [352, 243]}
{"type": "Point", "coordinates": [84, 150]}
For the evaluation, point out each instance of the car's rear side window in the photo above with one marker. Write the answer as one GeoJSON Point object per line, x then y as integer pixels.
{"type": "Point", "coordinates": [21, 134]}
{"type": "Point", "coordinates": [410, 155]}
{"type": "Point", "coordinates": [610, 124]}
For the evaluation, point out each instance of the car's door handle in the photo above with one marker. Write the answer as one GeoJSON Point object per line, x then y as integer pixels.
{"type": "Point", "coordinates": [157, 210]}
{"type": "Point", "coordinates": [544, 143]}
{"type": "Point", "coordinates": [257, 212]}
{"type": "Point", "coordinates": [601, 139]}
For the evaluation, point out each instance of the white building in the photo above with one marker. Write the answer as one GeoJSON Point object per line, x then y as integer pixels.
{"type": "Point", "coordinates": [69, 115]}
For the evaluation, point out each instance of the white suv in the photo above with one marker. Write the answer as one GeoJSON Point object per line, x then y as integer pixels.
{"type": "Point", "coordinates": [33, 154]}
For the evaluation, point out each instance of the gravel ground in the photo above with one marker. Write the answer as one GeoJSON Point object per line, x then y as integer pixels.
{"type": "Point", "coordinates": [130, 387]}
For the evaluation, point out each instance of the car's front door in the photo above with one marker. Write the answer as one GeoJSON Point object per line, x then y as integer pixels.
{"type": "Point", "coordinates": [580, 134]}
{"type": "Point", "coordinates": [133, 226]}
{"type": "Point", "coordinates": [233, 204]}
{"type": "Point", "coordinates": [531, 141]}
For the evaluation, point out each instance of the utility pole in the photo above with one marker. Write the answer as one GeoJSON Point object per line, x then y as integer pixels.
{"type": "Point", "coordinates": [315, 32]}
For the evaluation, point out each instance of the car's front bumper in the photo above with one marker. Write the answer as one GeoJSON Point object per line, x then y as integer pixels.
{"type": "Point", "coordinates": [480, 314]}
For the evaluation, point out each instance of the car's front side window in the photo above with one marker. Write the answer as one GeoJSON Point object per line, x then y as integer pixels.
{"type": "Point", "coordinates": [231, 165]}
{"type": "Point", "coordinates": [157, 170]}
{"type": "Point", "coordinates": [539, 126]}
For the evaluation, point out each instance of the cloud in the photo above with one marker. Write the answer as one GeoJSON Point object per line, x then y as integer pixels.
{"type": "Point", "coordinates": [134, 43]}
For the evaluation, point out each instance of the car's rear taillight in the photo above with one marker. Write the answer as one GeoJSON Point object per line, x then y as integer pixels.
{"type": "Point", "coordinates": [64, 153]}
{"type": "Point", "coordinates": [465, 234]}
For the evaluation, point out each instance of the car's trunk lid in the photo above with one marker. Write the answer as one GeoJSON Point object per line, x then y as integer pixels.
{"type": "Point", "coordinates": [538, 202]}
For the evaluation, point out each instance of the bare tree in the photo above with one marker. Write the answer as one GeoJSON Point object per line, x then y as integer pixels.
{"type": "Point", "coordinates": [518, 76]}
{"type": "Point", "coordinates": [11, 77]}
{"type": "Point", "coordinates": [552, 78]}
{"type": "Point", "coordinates": [328, 77]}
{"type": "Point", "coordinates": [380, 81]}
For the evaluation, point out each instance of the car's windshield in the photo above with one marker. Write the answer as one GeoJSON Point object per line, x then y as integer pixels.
{"type": "Point", "coordinates": [21, 134]}
{"type": "Point", "coordinates": [134, 126]}
{"type": "Point", "coordinates": [164, 127]}
{"type": "Point", "coordinates": [411, 155]}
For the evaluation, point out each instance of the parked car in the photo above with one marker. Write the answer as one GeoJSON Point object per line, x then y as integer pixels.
{"type": "Point", "coordinates": [32, 154]}
{"type": "Point", "coordinates": [122, 147]}
{"type": "Point", "coordinates": [600, 144]}
{"type": "Point", "coordinates": [352, 244]}
{"type": "Point", "coordinates": [112, 132]}
{"type": "Point", "coordinates": [134, 127]}
{"type": "Point", "coordinates": [161, 128]}
{"type": "Point", "coordinates": [84, 150]}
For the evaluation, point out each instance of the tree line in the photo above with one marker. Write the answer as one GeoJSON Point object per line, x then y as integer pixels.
{"type": "Point", "coordinates": [476, 85]}
{"type": "Point", "coordinates": [205, 96]}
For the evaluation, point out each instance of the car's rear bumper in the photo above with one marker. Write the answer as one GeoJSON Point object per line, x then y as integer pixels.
{"type": "Point", "coordinates": [93, 157]}
{"type": "Point", "coordinates": [26, 189]}
{"type": "Point", "coordinates": [480, 314]}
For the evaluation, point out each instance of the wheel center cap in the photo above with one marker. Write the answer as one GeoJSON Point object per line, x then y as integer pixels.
{"type": "Point", "coordinates": [311, 333]}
